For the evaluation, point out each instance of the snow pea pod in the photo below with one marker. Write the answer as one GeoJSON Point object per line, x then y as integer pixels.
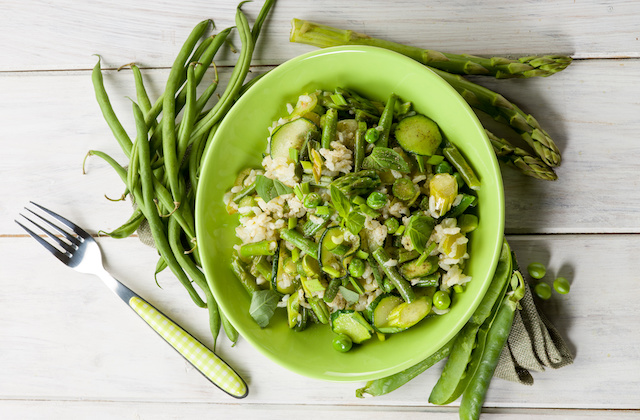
{"type": "Point", "coordinates": [470, 341]}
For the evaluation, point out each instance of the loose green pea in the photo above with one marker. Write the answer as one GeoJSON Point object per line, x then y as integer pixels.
{"type": "Point", "coordinates": [561, 285]}
{"type": "Point", "coordinates": [443, 167]}
{"type": "Point", "coordinates": [376, 200]}
{"type": "Point", "coordinates": [441, 299]}
{"type": "Point", "coordinates": [392, 225]}
{"type": "Point", "coordinates": [372, 135]}
{"type": "Point", "coordinates": [342, 343]}
{"type": "Point", "coordinates": [356, 267]}
{"type": "Point", "coordinates": [312, 200]}
{"type": "Point", "coordinates": [543, 290]}
{"type": "Point", "coordinates": [536, 270]}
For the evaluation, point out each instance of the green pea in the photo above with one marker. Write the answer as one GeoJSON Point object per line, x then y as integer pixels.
{"type": "Point", "coordinates": [443, 167]}
{"type": "Point", "coordinates": [342, 343]}
{"type": "Point", "coordinates": [376, 200]}
{"type": "Point", "coordinates": [536, 270]}
{"type": "Point", "coordinates": [312, 200]}
{"type": "Point", "coordinates": [543, 290]}
{"type": "Point", "coordinates": [372, 135]}
{"type": "Point", "coordinates": [561, 285]}
{"type": "Point", "coordinates": [392, 225]}
{"type": "Point", "coordinates": [356, 267]}
{"type": "Point", "coordinates": [441, 299]}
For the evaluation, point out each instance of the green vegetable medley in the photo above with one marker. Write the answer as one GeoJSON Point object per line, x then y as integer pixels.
{"type": "Point", "coordinates": [357, 219]}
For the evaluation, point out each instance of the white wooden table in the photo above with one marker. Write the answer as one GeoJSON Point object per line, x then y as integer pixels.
{"type": "Point", "coordinates": [70, 350]}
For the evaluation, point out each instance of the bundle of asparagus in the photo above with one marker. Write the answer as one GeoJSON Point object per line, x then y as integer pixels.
{"type": "Point", "coordinates": [450, 67]}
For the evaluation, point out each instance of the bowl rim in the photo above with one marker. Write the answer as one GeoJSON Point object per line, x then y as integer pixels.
{"type": "Point", "coordinates": [317, 54]}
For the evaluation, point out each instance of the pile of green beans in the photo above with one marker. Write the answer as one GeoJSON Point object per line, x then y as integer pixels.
{"type": "Point", "coordinates": [164, 158]}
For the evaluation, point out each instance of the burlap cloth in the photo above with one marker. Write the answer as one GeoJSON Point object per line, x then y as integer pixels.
{"type": "Point", "coordinates": [533, 345]}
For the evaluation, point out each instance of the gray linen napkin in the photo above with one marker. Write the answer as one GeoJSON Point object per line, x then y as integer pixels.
{"type": "Point", "coordinates": [533, 345]}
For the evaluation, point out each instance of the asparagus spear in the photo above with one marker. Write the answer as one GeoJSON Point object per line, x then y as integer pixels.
{"type": "Point", "coordinates": [477, 96]}
{"type": "Point", "coordinates": [311, 33]}
{"type": "Point", "coordinates": [521, 159]}
{"type": "Point", "coordinates": [502, 110]}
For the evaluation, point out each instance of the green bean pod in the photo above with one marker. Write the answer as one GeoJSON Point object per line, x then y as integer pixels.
{"type": "Point", "coordinates": [386, 119]}
{"type": "Point", "coordinates": [359, 146]}
{"type": "Point", "coordinates": [196, 275]}
{"type": "Point", "coordinates": [330, 128]}
{"type": "Point", "coordinates": [403, 286]}
{"type": "Point", "coordinates": [455, 157]}
{"type": "Point", "coordinates": [107, 111]}
{"type": "Point", "coordinates": [129, 227]}
{"type": "Point", "coordinates": [144, 196]}
{"type": "Point", "coordinates": [306, 245]}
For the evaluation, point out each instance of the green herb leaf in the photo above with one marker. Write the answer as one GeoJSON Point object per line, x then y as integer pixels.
{"type": "Point", "coordinates": [340, 202]}
{"type": "Point", "coordinates": [355, 222]}
{"type": "Point", "coordinates": [263, 306]}
{"type": "Point", "coordinates": [419, 230]}
{"type": "Point", "coordinates": [349, 295]}
{"type": "Point", "coordinates": [385, 158]}
{"type": "Point", "coordinates": [268, 188]}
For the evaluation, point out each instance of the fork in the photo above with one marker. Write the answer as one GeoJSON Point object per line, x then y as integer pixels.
{"type": "Point", "coordinates": [77, 249]}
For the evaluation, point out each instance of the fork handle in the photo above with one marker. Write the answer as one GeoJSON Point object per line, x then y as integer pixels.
{"type": "Point", "coordinates": [201, 357]}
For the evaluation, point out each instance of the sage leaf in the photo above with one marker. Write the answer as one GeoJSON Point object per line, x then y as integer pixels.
{"type": "Point", "coordinates": [349, 295]}
{"type": "Point", "coordinates": [268, 188]}
{"type": "Point", "coordinates": [385, 158]}
{"type": "Point", "coordinates": [355, 222]}
{"type": "Point", "coordinates": [263, 306]}
{"type": "Point", "coordinates": [419, 230]}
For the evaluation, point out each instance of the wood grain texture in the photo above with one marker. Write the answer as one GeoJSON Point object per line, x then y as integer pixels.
{"type": "Point", "coordinates": [590, 110]}
{"type": "Point", "coordinates": [57, 324]}
{"type": "Point", "coordinates": [68, 32]}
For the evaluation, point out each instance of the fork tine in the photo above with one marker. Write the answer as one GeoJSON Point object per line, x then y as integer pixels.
{"type": "Point", "coordinates": [77, 229]}
{"type": "Point", "coordinates": [68, 248]}
{"type": "Point", "coordinates": [61, 256]}
{"type": "Point", "coordinates": [66, 234]}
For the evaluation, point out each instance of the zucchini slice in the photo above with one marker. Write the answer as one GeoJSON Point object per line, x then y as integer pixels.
{"type": "Point", "coordinates": [292, 135]}
{"type": "Point", "coordinates": [407, 315]}
{"type": "Point", "coordinates": [379, 311]}
{"type": "Point", "coordinates": [351, 323]}
{"type": "Point", "coordinates": [419, 135]}
{"type": "Point", "coordinates": [414, 269]}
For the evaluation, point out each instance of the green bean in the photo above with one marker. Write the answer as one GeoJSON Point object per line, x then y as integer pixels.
{"type": "Point", "coordinates": [455, 157]}
{"type": "Point", "coordinates": [386, 119]}
{"type": "Point", "coordinates": [332, 289]}
{"type": "Point", "coordinates": [320, 309]}
{"type": "Point", "coordinates": [237, 77]}
{"type": "Point", "coordinates": [359, 143]}
{"type": "Point", "coordinates": [196, 275]}
{"type": "Point", "coordinates": [141, 93]}
{"type": "Point", "coordinates": [107, 111]}
{"type": "Point", "coordinates": [390, 383]}
{"type": "Point", "coordinates": [120, 171]}
{"type": "Point", "coordinates": [257, 248]}
{"type": "Point", "coordinates": [305, 244]}
{"type": "Point", "coordinates": [329, 129]}
{"type": "Point", "coordinates": [246, 279]}
{"type": "Point", "coordinates": [169, 141]}
{"type": "Point", "coordinates": [144, 196]}
{"type": "Point", "coordinates": [404, 288]}
{"type": "Point", "coordinates": [466, 201]}
{"type": "Point", "coordinates": [188, 115]}
{"type": "Point", "coordinates": [129, 227]}
{"type": "Point", "coordinates": [230, 331]}
{"type": "Point", "coordinates": [262, 16]}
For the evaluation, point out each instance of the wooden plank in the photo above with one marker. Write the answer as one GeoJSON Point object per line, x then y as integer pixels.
{"type": "Point", "coordinates": [63, 336]}
{"type": "Point", "coordinates": [151, 32]}
{"type": "Point", "coordinates": [590, 110]}
{"type": "Point", "coordinates": [99, 410]}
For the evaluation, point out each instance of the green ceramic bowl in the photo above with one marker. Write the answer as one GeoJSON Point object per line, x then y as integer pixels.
{"type": "Point", "coordinates": [240, 141]}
